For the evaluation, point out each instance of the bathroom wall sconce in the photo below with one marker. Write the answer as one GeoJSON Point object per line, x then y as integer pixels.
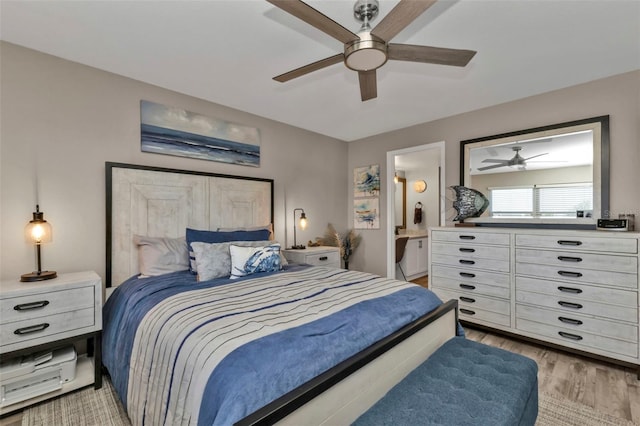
{"type": "Point", "coordinates": [38, 231]}
{"type": "Point", "coordinates": [395, 177]}
{"type": "Point", "coordinates": [419, 186]}
{"type": "Point", "coordinates": [303, 226]}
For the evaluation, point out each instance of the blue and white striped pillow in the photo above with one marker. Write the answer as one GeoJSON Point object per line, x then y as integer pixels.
{"type": "Point", "coordinates": [251, 260]}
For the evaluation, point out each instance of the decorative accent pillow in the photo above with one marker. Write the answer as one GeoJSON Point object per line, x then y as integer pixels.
{"type": "Point", "coordinates": [251, 260]}
{"type": "Point", "coordinates": [220, 237]}
{"type": "Point", "coordinates": [214, 260]}
{"type": "Point", "coordinates": [158, 256]}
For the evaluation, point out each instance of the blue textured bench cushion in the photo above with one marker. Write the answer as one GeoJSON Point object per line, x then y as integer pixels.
{"type": "Point", "coordinates": [462, 383]}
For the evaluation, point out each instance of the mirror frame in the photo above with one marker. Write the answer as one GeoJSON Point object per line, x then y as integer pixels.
{"type": "Point", "coordinates": [601, 170]}
{"type": "Point", "coordinates": [403, 182]}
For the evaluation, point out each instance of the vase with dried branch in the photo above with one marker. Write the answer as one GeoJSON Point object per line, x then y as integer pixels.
{"type": "Point", "coordinates": [347, 242]}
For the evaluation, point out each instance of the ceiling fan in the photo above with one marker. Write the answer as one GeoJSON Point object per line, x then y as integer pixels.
{"type": "Point", "coordinates": [517, 160]}
{"type": "Point", "coordinates": [370, 48]}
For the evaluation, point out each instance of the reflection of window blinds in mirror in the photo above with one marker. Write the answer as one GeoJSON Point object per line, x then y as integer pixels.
{"type": "Point", "coordinates": [542, 201]}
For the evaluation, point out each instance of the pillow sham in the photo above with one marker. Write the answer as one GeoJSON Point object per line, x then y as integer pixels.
{"type": "Point", "coordinates": [214, 260]}
{"type": "Point", "coordinates": [195, 235]}
{"type": "Point", "coordinates": [268, 227]}
{"type": "Point", "coordinates": [158, 255]}
{"type": "Point", "coordinates": [251, 260]}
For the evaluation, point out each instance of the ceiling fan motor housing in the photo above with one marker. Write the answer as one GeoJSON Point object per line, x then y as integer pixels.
{"type": "Point", "coordinates": [366, 54]}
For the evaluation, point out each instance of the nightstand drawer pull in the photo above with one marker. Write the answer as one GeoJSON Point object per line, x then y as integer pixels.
{"type": "Point", "coordinates": [569, 259]}
{"type": "Point", "coordinates": [569, 243]}
{"type": "Point", "coordinates": [466, 262]}
{"type": "Point", "coordinates": [467, 311]}
{"type": "Point", "coordinates": [468, 286]}
{"type": "Point", "coordinates": [570, 321]}
{"type": "Point", "coordinates": [569, 335]}
{"type": "Point", "coordinates": [570, 274]}
{"type": "Point", "coordinates": [323, 258]}
{"type": "Point", "coordinates": [31, 305]}
{"type": "Point", "coordinates": [31, 329]}
{"type": "Point", "coordinates": [467, 299]}
{"type": "Point", "coordinates": [467, 237]}
{"type": "Point", "coordinates": [570, 290]}
{"type": "Point", "coordinates": [467, 250]}
{"type": "Point", "coordinates": [570, 305]}
{"type": "Point", "coordinates": [467, 275]}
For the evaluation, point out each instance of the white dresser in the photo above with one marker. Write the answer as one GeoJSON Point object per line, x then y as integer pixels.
{"type": "Point", "coordinates": [37, 316]}
{"type": "Point", "coordinates": [318, 256]}
{"type": "Point", "coordinates": [575, 289]}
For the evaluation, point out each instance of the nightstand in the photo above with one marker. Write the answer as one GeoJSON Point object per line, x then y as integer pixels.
{"type": "Point", "coordinates": [43, 315]}
{"type": "Point", "coordinates": [318, 256]}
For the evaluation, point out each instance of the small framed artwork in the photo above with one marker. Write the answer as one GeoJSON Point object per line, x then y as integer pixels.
{"type": "Point", "coordinates": [366, 213]}
{"type": "Point", "coordinates": [366, 181]}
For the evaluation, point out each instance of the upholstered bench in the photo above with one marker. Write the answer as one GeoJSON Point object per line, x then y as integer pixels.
{"type": "Point", "coordinates": [462, 383]}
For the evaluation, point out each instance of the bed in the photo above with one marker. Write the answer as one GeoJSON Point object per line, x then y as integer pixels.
{"type": "Point", "coordinates": [289, 344]}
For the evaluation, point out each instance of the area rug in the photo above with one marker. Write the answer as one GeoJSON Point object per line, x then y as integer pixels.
{"type": "Point", "coordinates": [90, 407]}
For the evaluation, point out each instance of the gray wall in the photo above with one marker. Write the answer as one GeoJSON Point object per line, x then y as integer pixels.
{"type": "Point", "coordinates": [66, 120]}
{"type": "Point", "coordinates": [618, 97]}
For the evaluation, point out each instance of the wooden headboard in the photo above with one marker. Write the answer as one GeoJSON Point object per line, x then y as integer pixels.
{"type": "Point", "coordinates": [161, 202]}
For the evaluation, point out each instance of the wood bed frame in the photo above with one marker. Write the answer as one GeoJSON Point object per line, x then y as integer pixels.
{"type": "Point", "coordinates": [162, 202]}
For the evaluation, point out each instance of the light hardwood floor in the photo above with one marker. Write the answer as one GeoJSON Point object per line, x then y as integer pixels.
{"type": "Point", "coordinates": [608, 388]}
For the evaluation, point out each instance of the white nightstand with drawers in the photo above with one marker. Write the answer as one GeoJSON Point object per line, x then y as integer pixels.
{"type": "Point", "coordinates": [317, 256]}
{"type": "Point", "coordinates": [37, 316]}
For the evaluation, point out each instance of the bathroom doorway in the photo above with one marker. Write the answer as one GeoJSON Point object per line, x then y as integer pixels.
{"type": "Point", "coordinates": [423, 168]}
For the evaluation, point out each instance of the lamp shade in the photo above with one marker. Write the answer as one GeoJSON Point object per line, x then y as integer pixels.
{"type": "Point", "coordinates": [303, 221]}
{"type": "Point", "coordinates": [38, 230]}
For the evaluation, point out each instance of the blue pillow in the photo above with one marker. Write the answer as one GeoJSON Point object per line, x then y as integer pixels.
{"type": "Point", "coordinates": [195, 235]}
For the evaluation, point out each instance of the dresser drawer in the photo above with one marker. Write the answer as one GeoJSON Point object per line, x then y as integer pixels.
{"type": "Point", "coordinates": [469, 276]}
{"type": "Point", "coordinates": [569, 304]}
{"type": "Point", "coordinates": [579, 340]}
{"type": "Point", "coordinates": [49, 326]}
{"type": "Point", "coordinates": [470, 251]}
{"type": "Point", "coordinates": [578, 323]}
{"type": "Point", "coordinates": [598, 262]}
{"type": "Point", "coordinates": [471, 237]}
{"type": "Point", "coordinates": [573, 274]}
{"type": "Point", "coordinates": [464, 261]}
{"type": "Point", "coordinates": [612, 296]}
{"type": "Point", "coordinates": [42, 305]}
{"type": "Point", "coordinates": [499, 306]}
{"type": "Point", "coordinates": [579, 243]}
{"type": "Point", "coordinates": [470, 289]}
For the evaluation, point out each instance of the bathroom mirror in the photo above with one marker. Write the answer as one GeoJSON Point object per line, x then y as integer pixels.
{"type": "Point", "coordinates": [554, 176]}
{"type": "Point", "coordinates": [401, 203]}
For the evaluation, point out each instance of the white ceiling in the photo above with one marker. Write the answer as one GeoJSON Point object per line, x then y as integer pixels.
{"type": "Point", "coordinates": [228, 51]}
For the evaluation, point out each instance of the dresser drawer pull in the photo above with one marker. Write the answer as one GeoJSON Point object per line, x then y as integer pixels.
{"type": "Point", "coordinates": [31, 305]}
{"type": "Point", "coordinates": [569, 259]}
{"type": "Point", "coordinates": [570, 274]}
{"type": "Point", "coordinates": [468, 286]}
{"type": "Point", "coordinates": [323, 258]}
{"type": "Point", "coordinates": [569, 335]}
{"type": "Point", "coordinates": [467, 299]}
{"type": "Point", "coordinates": [570, 290]}
{"type": "Point", "coordinates": [570, 321]}
{"type": "Point", "coordinates": [467, 275]}
{"type": "Point", "coordinates": [466, 262]}
{"type": "Point", "coordinates": [569, 243]}
{"type": "Point", "coordinates": [467, 237]}
{"type": "Point", "coordinates": [467, 250]}
{"type": "Point", "coordinates": [570, 305]}
{"type": "Point", "coordinates": [467, 311]}
{"type": "Point", "coordinates": [31, 329]}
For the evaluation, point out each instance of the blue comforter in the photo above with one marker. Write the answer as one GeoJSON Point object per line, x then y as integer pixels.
{"type": "Point", "coordinates": [182, 352]}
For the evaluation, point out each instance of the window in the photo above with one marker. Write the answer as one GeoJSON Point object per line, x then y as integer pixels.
{"type": "Point", "coordinates": [562, 200]}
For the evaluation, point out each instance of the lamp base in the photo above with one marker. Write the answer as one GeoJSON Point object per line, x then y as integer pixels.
{"type": "Point", "coordinates": [298, 247]}
{"type": "Point", "coordinates": [38, 276]}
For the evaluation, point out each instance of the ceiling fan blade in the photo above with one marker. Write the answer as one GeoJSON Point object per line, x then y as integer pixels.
{"type": "Point", "coordinates": [368, 85]}
{"type": "Point", "coordinates": [298, 72]}
{"type": "Point", "coordinates": [491, 160]}
{"type": "Point", "coordinates": [539, 155]}
{"type": "Point", "coordinates": [404, 13]}
{"type": "Point", "coordinates": [312, 17]}
{"type": "Point", "coordinates": [495, 166]}
{"type": "Point", "coordinates": [429, 54]}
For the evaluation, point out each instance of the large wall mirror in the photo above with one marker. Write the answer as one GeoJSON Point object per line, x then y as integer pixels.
{"type": "Point", "coordinates": [401, 203]}
{"type": "Point", "coordinates": [553, 176]}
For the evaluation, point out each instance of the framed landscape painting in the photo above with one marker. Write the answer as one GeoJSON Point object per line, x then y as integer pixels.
{"type": "Point", "coordinates": [175, 131]}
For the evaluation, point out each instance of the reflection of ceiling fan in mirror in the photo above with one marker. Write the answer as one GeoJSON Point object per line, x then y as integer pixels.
{"type": "Point", "coordinates": [517, 160]}
{"type": "Point", "coordinates": [370, 48]}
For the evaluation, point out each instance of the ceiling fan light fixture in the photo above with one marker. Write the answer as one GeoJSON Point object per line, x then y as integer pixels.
{"type": "Point", "coordinates": [366, 54]}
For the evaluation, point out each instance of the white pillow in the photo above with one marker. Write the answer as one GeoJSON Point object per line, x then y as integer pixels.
{"type": "Point", "coordinates": [250, 260]}
{"type": "Point", "coordinates": [158, 256]}
{"type": "Point", "coordinates": [213, 260]}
